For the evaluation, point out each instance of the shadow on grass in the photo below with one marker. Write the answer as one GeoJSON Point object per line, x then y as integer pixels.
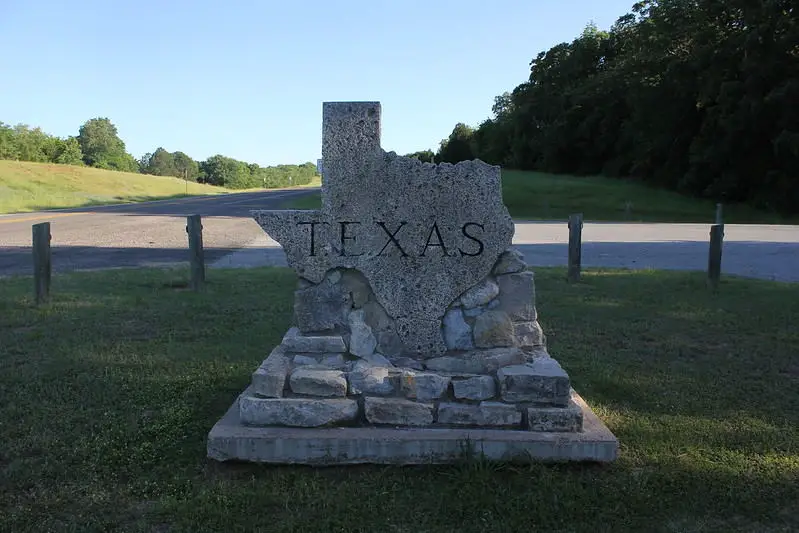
{"type": "Point", "coordinates": [113, 387]}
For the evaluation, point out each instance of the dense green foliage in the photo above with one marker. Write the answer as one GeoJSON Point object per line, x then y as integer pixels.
{"type": "Point", "coordinates": [99, 145]}
{"type": "Point", "coordinates": [699, 96]}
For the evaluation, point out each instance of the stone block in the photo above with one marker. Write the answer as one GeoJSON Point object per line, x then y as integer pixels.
{"type": "Point", "coordinates": [457, 333]}
{"type": "Point", "coordinates": [477, 361]}
{"type": "Point", "coordinates": [511, 261]}
{"type": "Point", "coordinates": [317, 382]}
{"type": "Point", "coordinates": [555, 419]}
{"type": "Point", "coordinates": [372, 380]}
{"type": "Point", "coordinates": [529, 335]}
{"type": "Point", "coordinates": [407, 362]}
{"type": "Point", "coordinates": [517, 296]}
{"type": "Point", "coordinates": [295, 342]}
{"type": "Point", "coordinates": [493, 329]}
{"type": "Point", "coordinates": [269, 379]}
{"type": "Point", "coordinates": [398, 412]}
{"type": "Point", "coordinates": [541, 381]}
{"type": "Point", "coordinates": [301, 360]}
{"type": "Point", "coordinates": [362, 341]}
{"type": "Point", "coordinates": [356, 286]}
{"type": "Point", "coordinates": [383, 328]}
{"type": "Point", "coordinates": [321, 307]}
{"type": "Point", "coordinates": [485, 414]}
{"type": "Point", "coordinates": [423, 386]}
{"type": "Point", "coordinates": [480, 294]}
{"type": "Point", "coordinates": [296, 412]}
{"type": "Point", "coordinates": [476, 388]}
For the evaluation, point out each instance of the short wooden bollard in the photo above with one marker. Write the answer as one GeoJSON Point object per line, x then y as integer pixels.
{"type": "Point", "coordinates": [42, 263]}
{"type": "Point", "coordinates": [194, 228]}
{"type": "Point", "coordinates": [719, 214]}
{"type": "Point", "coordinates": [575, 246]}
{"type": "Point", "coordinates": [714, 257]}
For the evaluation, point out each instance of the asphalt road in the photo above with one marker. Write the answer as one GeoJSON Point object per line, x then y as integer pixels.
{"type": "Point", "coordinates": [142, 234]}
{"type": "Point", "coordinates": [154, 233]}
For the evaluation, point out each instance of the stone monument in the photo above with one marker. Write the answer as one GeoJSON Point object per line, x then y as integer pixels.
{"type": "Point", "coordinates": [415, 334]}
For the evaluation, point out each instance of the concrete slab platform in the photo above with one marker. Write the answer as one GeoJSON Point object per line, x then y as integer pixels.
{"type": "Point", "coordinates": [229, 440]}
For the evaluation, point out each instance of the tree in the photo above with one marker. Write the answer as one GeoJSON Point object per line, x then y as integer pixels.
{"type": "Point", "coordinates": [69, 153]}
{"type": "Point", "coordinates": [425, 156]}
{"type": "Point", "coordinates": [158, 163]}
{"type": "Point", "coordinates": [457, 147]}
{"type": "Point", "coordinates": [185, 166]}
{"type": "Point", "coordinates": [102, 147]}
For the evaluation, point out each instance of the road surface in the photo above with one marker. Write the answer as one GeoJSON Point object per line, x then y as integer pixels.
{"type": "Point", "coordinates": [154, 233]}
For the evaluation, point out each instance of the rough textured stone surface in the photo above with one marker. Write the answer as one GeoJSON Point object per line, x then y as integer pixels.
{"type": "Point", "coordinates": [436, 232]}
{"type": "Point", "coordinates": [541, 381]}
{"type": "Point", "coordinates": [474, 311]}
{"type": "Point", "coordinates": [362, 341]}
{"type": "Point", "coordinates": [478, 361]}
{"type": "Point", "coordinates": [399, 412]}
{"type": "Point", "coordinates": [457, 333]}
{"type": "Point", "coordinates": [529, 335]}
{"type": "Point", "coordinates": [493, 329]}
{"type": "Point", "coordinates": [356, 286]}
{"type": "Point", "coordinates": [294, 342]}
{"type": "Point", "coordinates": [296, 412]}
{"type": "Point", "coordinates": [321, 307]}
{"type": "Point", "coordinates": [407, 362]}
{"type": "Point", "coordinates": [483, 414]}
{"type": "Point", "coordinates": [377, 359]}
{"type": "Point", "coordinates": [555, 419]}
{"type": "Point", "coordinates": [424, 386]}
{"type": "Point", "coordinates": [476, 388]}
{"type": "Point", "coordinates": [305, 360]}
{"type": "Point", "coordinates": [316, 382]}
{"type": "Point", "coordinates": [367, 379]}
{"type": "Point", "coordinates": [480, 294]}
{"type": "Point", "coordinates": [517, 295]}
{"type": "Point", "coordinates": [336, 361]}
{"type": "Point", "coordinates": [383, 328]}
{"type": "Point", "coordinates": [509, 262]}
{"type": "Point", "coordinates": [269, 379]}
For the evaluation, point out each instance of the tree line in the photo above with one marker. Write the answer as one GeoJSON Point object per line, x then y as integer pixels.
{"type": "Point", "coordinates": [98, 145]}
{"type": "Point", "coordinates": [699, 96]}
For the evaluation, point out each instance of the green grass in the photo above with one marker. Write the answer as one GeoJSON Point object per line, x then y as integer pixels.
{"type": "Point", "coordinates": [107, 395]}
{"type": "Point", "coordinates": [541, 196]}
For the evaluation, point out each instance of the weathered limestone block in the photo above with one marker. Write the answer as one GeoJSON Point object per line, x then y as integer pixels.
{"type": "Point", "coordinates": [423, 386]}
{"type": "Point", "coordinates": [474, 311]}
{"type": "Point", "coordinates": [269, 379]}
{"type": "Point", "coordinates": [540, 381]}
{"type": "Point", "coordinates": [362, 341]}
{"type": "Point", "coordinates": [383, 328]}
{"type": "Point", "coordinates": [335, 360]}
{"type": "Point", "coordinates": [478, 361]}
{"type": "Point", "coordinates": [321, 307]}
{"type": "Point", "coordinates": [294, 342]}
{"type": "Point", "coordinates": [493, 329]}
{"type": "Point", "coordinates": [407, 362]}
{"type": "Point", "coordinates": [476, 388]}
{"type": "Point", "coordinates": [398, 412]}
{"type": "Point", "coordinates": [367, 379]}
{"type": "Point", "coordinates": [301, 360]}
{"type": "Point", "coordinates": [555, 419]}
{"type": "Point", "coordinates": [356, 286]}
{"type": "Point", "coordinates": [483, 414]}
{"type": "Point", "coordinates": [511, 261]}
{"type": "Point", "coordinates": [517, 295]}
{"type": "Point", "coordinates": [529, 335]}
{"type": "Point", "coordinates": [316, 382]}
{"type": "Point", "coordinates": [480, 294]}
{"type": "Point", "coordinates": [296, 412]}
{"type": "Point", "coordinates": [457, 333]}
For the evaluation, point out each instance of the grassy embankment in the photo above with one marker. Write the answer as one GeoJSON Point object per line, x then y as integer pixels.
{"type": "Point", "coordinates": [107, 395]}
{"type": "Point", "coordinates": [541, 196]}
{"type": "Point", "coordinates": [26, 187]}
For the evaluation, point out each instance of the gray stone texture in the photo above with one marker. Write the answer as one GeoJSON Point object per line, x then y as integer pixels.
{"type": "Point", "coordinates": [476, 388]}
{"type": "Point", "coordinates": [335, 360]}
{"type": "Point", "coordinates": [480, 294]}
{"type": "Point", "coordinates": [317, 382]}
{"type": "Point", "coordinates": [362, 340]}
{"type": "Point", "coordinates": [493, 329]}
{"type": "Point", "coordinates": [407, 362]}
{"type": "Point", "coordinates": [295, 342]}
{"type": "Point", "coordinates": [423, 386]}
{"type": "Point", "coordinates": [305, 360]}
{"type": "Point", "coordinates": [457, 333]}
{"type": "Point", "coordinates": [509, 262]}
{"type": "Point", "coordinates": [434, 233]}
{"type": "Point", "coordinates": [269, 379]}
{"type": "Point", "coordinates": [356, 286]}
{"type": "Point", "coordinates": [485, 414]}
{"type": "Point", "coordinates": [517, 295]}
{"type": "Point", "coordinates": [541, 381]}
{"type": "Point", "coordinates": [321, 307]}
{"type": "Point", "coordinates": [529, 335]}
{"type": "Point", "coordinates": [296, 412]}
{"type": "Point", "coordinates": [398, 412]}
{"type": "Point", "coordinates": [555, 419]}
{"type": "Point", "coordinates": [383, 328]}
{"type": "Point", "coordinates": [477, 361]}
{"type": "Point", "coordinates": [373, 380]}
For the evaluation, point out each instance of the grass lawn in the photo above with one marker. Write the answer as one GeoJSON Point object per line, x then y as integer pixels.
{"type": "Point", "coordinates": [541, 196]}
{"type": "Point", "coordinates": [107, 394]}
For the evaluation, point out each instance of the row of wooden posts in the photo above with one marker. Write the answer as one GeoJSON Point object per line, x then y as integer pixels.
{"type": "Point", "coordinates": [42, 259]}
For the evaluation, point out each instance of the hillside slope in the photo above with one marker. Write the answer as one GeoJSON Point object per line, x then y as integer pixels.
{"type": "Point", "coordinates": [26, 186]}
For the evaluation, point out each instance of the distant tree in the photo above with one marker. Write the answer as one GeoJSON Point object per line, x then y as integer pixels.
{"type": "Point", "coordinates": [102, 147]}
{"type": "Point", "coordinates": [158, 163]}
{"type": "Point", "coordinates": [8, 145]}
{"type": "Point", "coordinates": [69, 152]}
{"type": "Point", "coordinates": [425, 156]}
{"type": "Point", "coordinates": [457, 147]}
{"type": "Point", "coordinates": [185, 166]}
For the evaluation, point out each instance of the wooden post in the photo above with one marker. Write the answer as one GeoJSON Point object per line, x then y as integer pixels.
{"type": "Point", "coordinates": [194, 228]}
{"type": "Point", "coordinates": [42, 264]}
{"type": "Point", "coordinates": [575, 246]}
{"type": "Point", "coordinates": [714, 258]}
{"type": "Point", "coordinates": [718, 214]}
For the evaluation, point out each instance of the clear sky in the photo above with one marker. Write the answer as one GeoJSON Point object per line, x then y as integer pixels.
{"type": "Point", "coordinates": [247, 79]}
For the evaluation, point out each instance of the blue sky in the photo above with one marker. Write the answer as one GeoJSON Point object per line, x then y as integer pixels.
{"type": "Point", "coordinates": [247, 78]}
